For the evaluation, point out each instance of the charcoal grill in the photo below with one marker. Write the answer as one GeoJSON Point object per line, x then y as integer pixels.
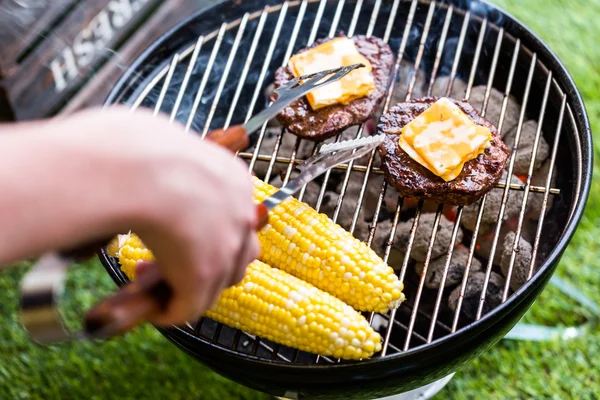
{"type": "Point", "coordinates": [213, 70]}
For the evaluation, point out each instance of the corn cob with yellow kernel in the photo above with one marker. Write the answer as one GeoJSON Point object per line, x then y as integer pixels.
{"type": "Point", "coordinates": [129, 250]}
{"type": "Point", "coordinates": [277, 306]}
{"type": "Point", "coordinates": [311, 247]}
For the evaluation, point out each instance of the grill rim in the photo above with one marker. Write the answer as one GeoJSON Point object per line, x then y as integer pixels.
{"type": "Point", "coordinates": [526, 294]}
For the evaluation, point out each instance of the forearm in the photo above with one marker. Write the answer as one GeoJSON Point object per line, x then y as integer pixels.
{"type": "Point", "coordinates": [55, 191]}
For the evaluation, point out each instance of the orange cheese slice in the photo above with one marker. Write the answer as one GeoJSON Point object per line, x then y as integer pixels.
{"type": "Point", "coordinates": [339, 52]}
{"type": "Point", "coordinates": [443, 138]}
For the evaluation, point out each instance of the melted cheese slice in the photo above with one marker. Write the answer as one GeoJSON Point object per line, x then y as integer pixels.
{"type": "Point", "coordinates": [443, 139]}
{"type": "Point", "coordinates": [339, 52]}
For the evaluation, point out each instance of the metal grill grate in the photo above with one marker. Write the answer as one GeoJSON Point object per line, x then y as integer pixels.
{"type": "Point", "coordinates": [253, 43]}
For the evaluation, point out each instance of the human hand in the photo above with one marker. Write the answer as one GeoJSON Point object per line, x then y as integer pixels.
{"type": "Point", "coordinates": [189, 200]}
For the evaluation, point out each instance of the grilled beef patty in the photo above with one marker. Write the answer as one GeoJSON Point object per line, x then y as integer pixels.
{"type": "Point", "coordinates": [299, 117]}
{"type": "Point", "coordinates": [413, 180]}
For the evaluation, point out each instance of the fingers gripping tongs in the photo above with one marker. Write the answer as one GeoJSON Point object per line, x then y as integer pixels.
{"type": "Point", "coordinates": [149, 294]}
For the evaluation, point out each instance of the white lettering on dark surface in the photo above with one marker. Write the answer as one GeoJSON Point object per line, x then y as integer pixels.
{"type": "Point", "coordinates": [91, 40]}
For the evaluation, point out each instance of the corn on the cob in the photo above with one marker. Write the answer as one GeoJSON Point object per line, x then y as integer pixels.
{"type": "Point", "coordinates": [280, 307]}
{"type": "Point", "coordinates": [130, 250]}
{"type": "Point", "coordinates": [311, 247]}
{"type": "Point", "coordinates": [277, 306]}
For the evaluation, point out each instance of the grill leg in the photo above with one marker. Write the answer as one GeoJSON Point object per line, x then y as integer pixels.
{"type": "Point", "coordinates": [424, 393]}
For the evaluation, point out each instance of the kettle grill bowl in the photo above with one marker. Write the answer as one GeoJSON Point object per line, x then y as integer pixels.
{"type": "Point", "coordinates": [421, 364]}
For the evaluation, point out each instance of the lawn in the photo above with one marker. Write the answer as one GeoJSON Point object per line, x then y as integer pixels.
{"type": "Point", "coordinates": [144, 365]}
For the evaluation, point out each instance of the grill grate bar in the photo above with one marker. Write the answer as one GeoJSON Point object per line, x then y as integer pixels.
{"type": "Point", "coordinates": [290, 48]}
{"type": "Point", "coordinates": [440, 51]}
{"type": "Point", "coordinates": [207, 73]}
{"type": "Point", "coordinates": [405, 36]}
{"type": "Point", "coordinates": [334, 27]}
{"type": "Point", "coordinates": [336, 18]}
{"type": "Point", "coordinates": [510, 167]}
{"type": "Point", "coordinates": [534, 151]}
{"type": "Point", "coordinates": [374, 16]}
{"type": "Point", "coordinates": [186, 79]}
{"type": "Point", "coordinates": [468, 265]}
{"type": "Point", "coordinates": [386, 256]}
{"type": "Point", "coordinates": [440, 293]}
{"type": "Point", "coordinates": [404, 328]}
{"type": "Point", "coordinates": [413, 317]}
{"type": "Point", "coordinates": [490, 84]}
{"type": "Point", "coordinates": [457, 57]}
{"type": "Point", "coordinates": [225, 76]}
{"type": "Point", "coordinates": [354, 21]}
{"type": "Point", "coordinates": [165, 87]}
{"type": "Point", "coordinates": [317, 23]}
{"type": "Point", "coordinates": [476, 56]}
{"type": "Point", "coordinates": [424, 36]}
{"type": "Point", "coordinates": [360, 129]}
{"type": "Point", "coordinates": [538, 232]}
{"type": "Point", "coordinates": [351, 32]}
{"type": "Point", "coordinates": [378, 171]}
{"type": "Point", "coordinates": [264, 70]}
{"type": "Point", "coordinates": [246, 68]}
{"type": "Point", "coordinates": [344, 188]}
{"type": "Point", "coordinates": [459, 211]}
{"type": "Point", "coordinates": [390, 25]}
{"type": "Point", "coordinates": [461, 43]}
{"type": "Point", "coordinates": [397, 66]}
{"type": "Point", "coordinates": [482, 202]}
{"type": "Point", "coordinates": [411, 86]}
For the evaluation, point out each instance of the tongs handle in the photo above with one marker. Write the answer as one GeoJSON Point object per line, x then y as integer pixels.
{"type": "Point", "coordinates": [234, 138]}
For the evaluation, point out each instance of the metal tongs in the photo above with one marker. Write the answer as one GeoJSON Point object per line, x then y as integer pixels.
{"type": "Point", "coordinates": [147, 296]}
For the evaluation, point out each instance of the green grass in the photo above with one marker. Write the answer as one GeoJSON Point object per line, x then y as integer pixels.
{"type": "Point", "coordinates": [144, 365]}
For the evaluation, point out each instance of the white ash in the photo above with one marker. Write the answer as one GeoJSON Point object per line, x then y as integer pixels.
{"type": "Point", "coordinates": [423, 236]}
{"type": "Point", "coordinates": [456, 268]}
{"type": "Point", "coordinates": [525, 148]}
{"type": "Point", "coordinates": [473, 291]}
{"type": "Point", "coordinates": [484, 243]}
{"type": "Point", "coordinates": [494, 108]}
{"type": "Point", "coordinates": [536, 199]}
{"type": "Point", "coordinates": [440, 86]}
{"type": "Point", "coordinates": [381, 236]}
{"type": "Point", "coordinates": [372, 192]}
{"type": "Point", "coordinates": [522, 262]}
{"type": "Point", "coordinates": [492, 208]}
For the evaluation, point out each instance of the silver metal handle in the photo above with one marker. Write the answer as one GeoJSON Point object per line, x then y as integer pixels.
{"type": "Point", "coordinates": [295, 89]}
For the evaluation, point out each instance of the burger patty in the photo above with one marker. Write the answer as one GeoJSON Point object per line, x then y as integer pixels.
{"type": "Point", "coordinates": [411, 179]}
{"type": "Point", "coordinates": [299, 117]}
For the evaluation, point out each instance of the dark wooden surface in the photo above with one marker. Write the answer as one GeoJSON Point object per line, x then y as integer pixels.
{"type": "Point", "coordinates": [166, 17]}
{"type": "Point", "coordinates": [22, 24]}
{"type": "Point", "coordinates": [45, 66]}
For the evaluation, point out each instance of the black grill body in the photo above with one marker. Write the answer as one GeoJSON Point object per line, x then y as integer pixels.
{"type": "Point", "coordinates": [281, 372]}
